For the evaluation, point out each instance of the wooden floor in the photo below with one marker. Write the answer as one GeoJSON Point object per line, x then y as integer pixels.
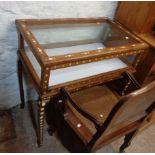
{"type": "Point", "coordinates": [25, 140]}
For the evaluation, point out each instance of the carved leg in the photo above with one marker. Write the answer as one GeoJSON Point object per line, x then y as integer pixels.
{"type": "Point", "coordinates": [127, 141]}
{"type": "Point", "coordinates": [41, 115]}
{"type": "Point", "coordinates": [20, 80]}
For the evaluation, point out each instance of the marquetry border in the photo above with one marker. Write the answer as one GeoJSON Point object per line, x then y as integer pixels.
{"type": "Point", "coordinates": [95, 58]}
{"type": "Point", "coordinates": [42, 57]}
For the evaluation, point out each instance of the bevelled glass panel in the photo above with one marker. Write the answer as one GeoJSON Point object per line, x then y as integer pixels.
{"type": "Point", "coordinates": [60, 39]}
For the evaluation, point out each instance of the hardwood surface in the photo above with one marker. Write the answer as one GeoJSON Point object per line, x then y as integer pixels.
{"type": "Point", "coordinates": [149, 38]}
{"type": "Point", "coordinates": [149, 72]}
{"type": "Point", "coordinates": [139, 17]}
{"type": "Point", "coordinates": [150, 57]}
{"type": "Point", "coordinates": [141, 23]}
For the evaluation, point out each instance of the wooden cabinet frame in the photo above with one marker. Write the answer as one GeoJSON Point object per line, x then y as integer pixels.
{"type": "Point", "coordinates": [51, 63]}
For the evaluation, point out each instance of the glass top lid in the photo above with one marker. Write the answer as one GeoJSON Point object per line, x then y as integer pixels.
{"type": "Point", "coordinates": [60, 39]}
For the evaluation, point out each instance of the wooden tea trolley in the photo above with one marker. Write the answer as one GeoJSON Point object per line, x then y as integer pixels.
{"type": "Point", "coordinates": [73, 53]}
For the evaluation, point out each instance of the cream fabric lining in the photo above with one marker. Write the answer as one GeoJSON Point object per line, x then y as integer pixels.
{"type": "Point", "coordinates": [63, 75]}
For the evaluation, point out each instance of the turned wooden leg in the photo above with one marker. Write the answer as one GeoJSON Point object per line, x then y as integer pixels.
{"type": "Point", "coordinates": [127, 141]}
{"type": "Point", "coordinates": [41, 115]}
{"type": "Point", "coordinates": [20, 80]}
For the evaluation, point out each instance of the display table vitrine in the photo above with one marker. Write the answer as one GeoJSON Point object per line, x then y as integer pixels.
{"type": "Point", "coordinates": [73, 53]}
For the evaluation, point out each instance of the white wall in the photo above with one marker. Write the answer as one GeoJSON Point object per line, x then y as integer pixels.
{"type": "Point", "coordinates": [9, 11]}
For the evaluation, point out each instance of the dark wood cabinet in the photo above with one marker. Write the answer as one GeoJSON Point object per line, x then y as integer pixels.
{"type": "Point", "coordinates": [149, 61]}
{"type": "Point", "coordinates": [139, 18]}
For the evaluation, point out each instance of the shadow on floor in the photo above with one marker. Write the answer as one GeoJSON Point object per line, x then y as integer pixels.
{"type": "Point", "coordinates": [25, 140]}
